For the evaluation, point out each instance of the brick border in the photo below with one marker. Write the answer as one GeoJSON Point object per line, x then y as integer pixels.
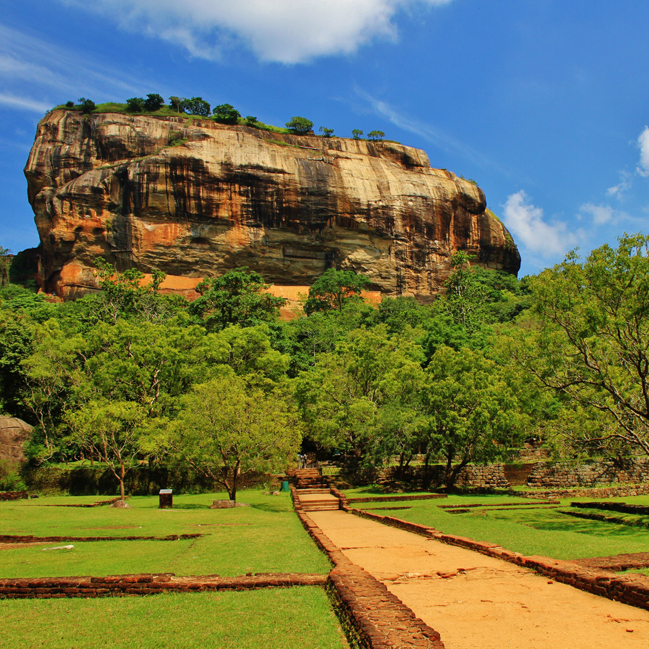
{"type": "Point", "coordinates": [371, 616]}
{"type": "Point", "coordinates": [628, 589]}
{"type": "Point", "coordinates": [146, 584]}
{"type": "Point", "coordinates": [10, 538]}
{"type": "Point", "coordinates": [8, 496]}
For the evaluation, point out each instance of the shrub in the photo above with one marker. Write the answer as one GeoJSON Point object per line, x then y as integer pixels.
{"type": "Point", "coordinates": [87, 105]}
{"type": "Point", "coordinates": [357, 134]}
{"type": "Point", "coordinates": [376, 135]}
{"type": "Point", "coordinates": [250, 120]}
{"type": "Point", "coordinates": [300, 125]}
{"type": "Point", "coordinates": [197, 106]}
{"type": "Point", "coordinates": [153, 102]}
{"type": "Point", "coordinates": [227, 114]}
{"type": "Point", "coordinates": [326, 132]}
{"type": "Point", "coordinates": [69, 104]}
{"type": "Point", "coordinates": [135, 105]}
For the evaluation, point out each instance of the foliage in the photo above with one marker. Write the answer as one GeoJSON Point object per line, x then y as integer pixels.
{"type": "Point", "coordinates": [135, 105]}
{"type": "Point", "coordinates": [251, 120]}
{"type": "Point", "coordinates": [361, 398]}
{"type": "Point", "coordinates": [227, 114]}
{"type": "Point", "coordinates": [333, 289]}
{"type": "Point", "coordinates": [197, 106]}
{"type": "Point", "coordinates": [110, 431]}
{"type": "Point", "coordinates": [177, 103]}
{"type": "Point", "coordinates": [87, 105]}
{"type": "Point", "coordinates": [326, 132]}
{"type": "Point", "coordinates": [357, 134]}
{"type": "Point", "coordinates": [376, 135]}
{"type": "Point", "coordinates": [299, 125]}
{"type": "Point", "coordinates": [153, 102]}
{"type": "Point", "coordinates": [472, 415]}
{"type": "Point", "coordinates": [591, 344]}
{"type": "Point", "coordinates": [226, 428]}
{"type": "Point", "coordinates": [237, 297]}
{"type": "Point", "coordinates": [5, 264]}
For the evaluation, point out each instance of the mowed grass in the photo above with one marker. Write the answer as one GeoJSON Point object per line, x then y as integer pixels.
{"type": "Point", "coordinates": [530, 531]}
{"type": "Point", "coordinates": [265, 537]}
{"type": "Point", "coordinates": [284, 618]}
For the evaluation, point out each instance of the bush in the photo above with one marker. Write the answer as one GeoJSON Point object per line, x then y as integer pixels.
{"type": "Point", "coordinates": [250, 120]}
{"type": "Point", "coordinates": [153, 102]}
{"type": "Point", "coordinates": [376, 135]}
{"type": "Point", "coordinates": [227, 114]}
{"type": "Point", "coordinates": [326, 132]}
{"type": "Point", "coordinates": [135, 105]}
{"type": "Point", "coordinates": [300, 125]}
{"type": "Point", "coordinates": [87, 105]}
{"type": "Point", "coordinates": [197, 106]}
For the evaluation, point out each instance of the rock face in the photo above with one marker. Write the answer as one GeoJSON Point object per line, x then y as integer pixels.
{"type": "Point", "coordinates": [194, 198]}
{"type": "Point", "coordinates": [14, 433]}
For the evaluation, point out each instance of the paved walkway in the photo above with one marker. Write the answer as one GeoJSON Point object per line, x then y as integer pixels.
{"type": "Point", "coordinates": [477, 601]}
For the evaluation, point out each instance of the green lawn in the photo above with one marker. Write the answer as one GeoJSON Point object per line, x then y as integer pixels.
{"type": "Point", "coordinates": [265, 537]}
{"type": "Point", "coordinates": [285, 618]}
{"type": "Point", "coordinates": [540, 530]}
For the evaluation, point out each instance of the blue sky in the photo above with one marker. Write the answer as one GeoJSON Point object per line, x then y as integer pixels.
{"type": "Point", "coordinates": [544, 103]}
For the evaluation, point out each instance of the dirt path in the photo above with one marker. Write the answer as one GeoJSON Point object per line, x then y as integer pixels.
{"type": "Point", "coordinates": [477, 601]}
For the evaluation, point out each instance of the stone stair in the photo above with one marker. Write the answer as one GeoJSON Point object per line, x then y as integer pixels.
{"type": "Point", "coordinates": [313, 491]}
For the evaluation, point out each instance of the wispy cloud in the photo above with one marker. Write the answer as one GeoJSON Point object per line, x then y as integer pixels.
{"type": "Point", "coordinates": [284, 31]}
{"type": "Point", "coordinates": [34, 74]}
{"type": "Point", "coordinates": [23, 103]}
{"type": "Point", "coordinates": [643, 144]}
{"type": "Point", "coordinates": [530, 229]}
{"type": "Point", "coordinates": [428, 132]}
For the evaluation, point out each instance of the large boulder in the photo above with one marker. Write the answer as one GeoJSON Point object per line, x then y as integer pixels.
{"type": "Point", "coordinates": [197, 198]}
{"type": "Point", "coordinates": [14, 433]}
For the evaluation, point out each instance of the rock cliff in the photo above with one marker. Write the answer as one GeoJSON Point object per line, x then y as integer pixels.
{"type": "Point", "coordinates": [194, 198]}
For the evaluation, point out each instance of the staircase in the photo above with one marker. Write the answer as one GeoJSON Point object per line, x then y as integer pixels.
{"type": "Point", "coordinates": [313, 491]}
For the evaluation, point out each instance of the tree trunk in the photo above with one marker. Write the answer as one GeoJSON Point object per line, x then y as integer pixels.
{"type": "Point", "coordinates": [122, 473]}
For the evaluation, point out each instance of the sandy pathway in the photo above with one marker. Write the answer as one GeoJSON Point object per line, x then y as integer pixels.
{"type": "Point", "coordinates": [477, 601]}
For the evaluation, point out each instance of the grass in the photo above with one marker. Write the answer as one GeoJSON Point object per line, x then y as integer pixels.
{"type": "Point", "coordinates": [265, 537]}
{"type": "Point", "coordinates": [279, 618]}
{"type": "Point", "coordinates": [541, 531]}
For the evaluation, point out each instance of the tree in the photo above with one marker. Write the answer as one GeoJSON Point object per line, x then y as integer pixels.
{"type": "Point", "coordinates": [333, 289]}
{"type": "Point", "coordinates": [197, 106]}
{"type": "Point", "coordinates": [227, 114]}
{"type": "Point", "coordinates": [300, 125]}
{"type": "Point", "coordinates": [5, 263]}
{"type": "Point", "coordinates": [153, 102]}
{"type": "Point", "coordinates": [135, 105]}
{"type": "Point", "coordinates": [237, 297]}
{"type": "Point", "coordinates": [326, 132]}
{"type": "Point", "coordinates": [591, 343]}
{"type": "Point", "coordinates": [362, 397]}
{"type": "Point", "coordinates": [110, 431]}
{"type": "Point", "coordinates": [251, 120]}
{"type": "Point", "coordinates": [87, 105]}
{"type": "Point", "coordinates": [226, 429]}
{"type": "Point", "coordinates": [356, 133]}
{"type": "Point", "coordinates": [177, 103]}
{"type": "Point", "coordinates": [472, 415]}
{"type": "Point", "coordinates": [376, 135]}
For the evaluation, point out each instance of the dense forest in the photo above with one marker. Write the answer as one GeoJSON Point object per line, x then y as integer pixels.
{"type": "Point", "coordinates": [223, 385]}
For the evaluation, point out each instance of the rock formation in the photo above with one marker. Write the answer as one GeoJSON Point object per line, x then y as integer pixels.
{"type": "Point", "coordinates": [195, 198]}
{"type": "Point", "coordinates": [14, 433]}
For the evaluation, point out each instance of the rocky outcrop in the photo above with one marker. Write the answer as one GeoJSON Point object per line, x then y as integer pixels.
{"type": "Point", "coordinates": [14, 433]}
{"type": "Point", "coordinates": [194, 198]}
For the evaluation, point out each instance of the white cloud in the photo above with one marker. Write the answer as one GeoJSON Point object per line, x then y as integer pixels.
{"type": "Point", "coordinates": [23, 103]}
{"type": "Point", "coordinates": [284, 31]}
{"type": "Point", "coordinates": [643, 143]}
{"type": "Point", "coordinates": [36, 74]}
{"type": "Point", "coordinates": [529, 228]}
{"type": "Point", "coordinates": [601, 213]}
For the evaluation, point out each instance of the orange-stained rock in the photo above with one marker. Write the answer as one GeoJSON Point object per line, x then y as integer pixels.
{"type": "Point", "coordinates": [285, 206]}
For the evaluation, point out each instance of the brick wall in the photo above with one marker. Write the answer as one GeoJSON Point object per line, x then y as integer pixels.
{"type": "Point", "coordinates": [558, 475]}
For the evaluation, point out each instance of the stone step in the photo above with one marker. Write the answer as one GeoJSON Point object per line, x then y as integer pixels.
{"type": "Point", "coordinates": [324, 507]}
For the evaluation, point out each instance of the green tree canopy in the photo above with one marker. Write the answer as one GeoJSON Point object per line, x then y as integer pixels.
{"type": "Point", "coordinates": [226, 113]}
{"type": "Point", "coordinates": [333, 289]}
{"type": "Point", "coordinates": [153, 102]}
{"type": "Point", "coordinates": [300, 125]}
{"type": "Point", "coordinates": [237, 297]}
{"type": "Point", "coordinates": [226, 428]}
{"type": "Point", "coordinates": [591, 343]}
